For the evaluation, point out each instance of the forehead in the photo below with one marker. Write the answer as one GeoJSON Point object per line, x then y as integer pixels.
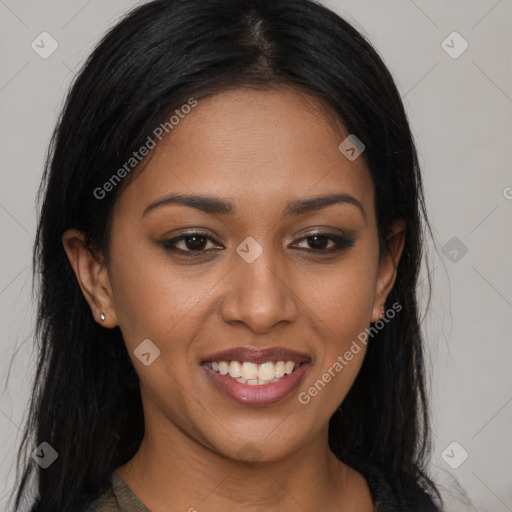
{"type": "Point", "coordinates": [258, 148]}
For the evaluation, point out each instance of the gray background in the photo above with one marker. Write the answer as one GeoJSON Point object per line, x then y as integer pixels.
{"type": "Point", "coordinates": [460, 113]}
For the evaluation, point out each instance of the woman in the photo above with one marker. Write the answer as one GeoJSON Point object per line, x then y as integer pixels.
{"type": "Point", "coordinates": [229, 246]}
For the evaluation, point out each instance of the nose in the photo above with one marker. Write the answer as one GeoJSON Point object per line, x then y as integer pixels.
{"type": "Point", "coordinates": [260, 294]}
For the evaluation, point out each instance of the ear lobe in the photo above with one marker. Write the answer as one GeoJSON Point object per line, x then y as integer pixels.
{"type": "Point", "coordinates": [92, 277]}
{"type": "Point", "coordinates": [388, 264]}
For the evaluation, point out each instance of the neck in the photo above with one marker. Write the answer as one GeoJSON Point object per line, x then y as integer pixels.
{"type": "Point", "coordinates": [173, 469]}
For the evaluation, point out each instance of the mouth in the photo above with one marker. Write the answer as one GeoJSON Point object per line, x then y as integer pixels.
{"type": "Point", "coordinates": [255, 376]}
{"type": "Point", "coordinates": [246, 372]}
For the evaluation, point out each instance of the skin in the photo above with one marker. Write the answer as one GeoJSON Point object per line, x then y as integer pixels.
{"type": "Point", "coordinates": [258, 149]}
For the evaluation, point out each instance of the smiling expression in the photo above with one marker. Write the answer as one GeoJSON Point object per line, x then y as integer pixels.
{"type": "Point", "coordinates": [247, 175]}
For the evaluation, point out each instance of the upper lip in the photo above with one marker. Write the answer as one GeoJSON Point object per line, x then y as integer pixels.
{"type": "Point", "coordinates": [257, 355]}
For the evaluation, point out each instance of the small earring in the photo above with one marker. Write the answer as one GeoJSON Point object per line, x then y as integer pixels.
{"type": "Point", "coordinates": [102, 317]}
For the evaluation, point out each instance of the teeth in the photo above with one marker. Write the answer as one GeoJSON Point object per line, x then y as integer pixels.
{"type": "Point", "coordinates": [235, 369]}
{"type": "Point", "coordinates": [279, 367]}
{"type": "Point", "coordinates": [249, 371]}
{"type": "Point", "coordinates": [223, 367]}
{"type": "Point", "coordinates": [267, 371]}
{"type": "Point", "coordinates": [288, 367]}
{"type": "Point", "coordinates": [254, 382]}
{"type": "Point", "coordinates": [255, 374]}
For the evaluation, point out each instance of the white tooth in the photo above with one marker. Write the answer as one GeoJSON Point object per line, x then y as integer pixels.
{"type": "Point", "coordinates": [249, 371]}
{"type": "Point", "coordinates": [223, 367]}
{"type": "Point", "coordinates": [242, 381]}
{"type": "Point", "coordinates": [234, 369]}
{"type": "Point", "coordinates": [215, 366]}
{"type": "Point", "coordinates": [288, 368]}
{"type": "Point", "coordinates": [266, 371]}
{"type": "Point", "coordinates": [279, 368]}
{"type": "Point", "coordinates": [253, 382]}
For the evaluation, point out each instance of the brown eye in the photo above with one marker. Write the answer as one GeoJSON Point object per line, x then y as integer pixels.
{"type": "Point", "coordinates": [196, 243]}
{"type": "Point", "coordinates": [318, 242]}
{"type": "Point", "coordinates": [193, 242]}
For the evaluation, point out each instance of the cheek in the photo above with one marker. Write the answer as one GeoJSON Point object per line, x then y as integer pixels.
{"type": "Point", "coordinates": [162, 304]}
{"type": "Point", "coordinates": [153, 298]}
{"type": "Point", "coordinates": [342, 296]}
{"type": "Point", "coordinates": [342, 300]}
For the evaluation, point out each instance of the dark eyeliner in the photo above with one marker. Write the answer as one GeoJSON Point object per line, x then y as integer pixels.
{"type": "Point", "coordinates": [169, 244]}
{"type": "Point", "coordinates": [341, 242]}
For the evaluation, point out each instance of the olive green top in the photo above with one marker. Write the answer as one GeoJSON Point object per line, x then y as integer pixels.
{"type": "Point", "coordinates": [389, 494]}
{"type": "Point", "coordinates": [118, 498]}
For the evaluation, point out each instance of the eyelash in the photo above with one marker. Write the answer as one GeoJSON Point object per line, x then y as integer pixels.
{"type": "Point", "coordinates": [340, 243]}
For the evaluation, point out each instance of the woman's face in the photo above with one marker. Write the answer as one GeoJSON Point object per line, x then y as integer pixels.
{"type": "Point", "coordinates": [257, 282]}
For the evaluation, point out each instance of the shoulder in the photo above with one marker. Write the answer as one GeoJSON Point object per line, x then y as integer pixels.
{"type": "Point", "coordinates": [117, 498]}
{"type": "Point", "coordinates": [107, 502]}
{"type": "Point", "coordinates": [114, 499]}
{"type": "Point", "coordinates": [393, 493]}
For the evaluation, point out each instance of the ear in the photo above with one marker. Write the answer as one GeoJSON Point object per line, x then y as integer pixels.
{"type": "Point", "coordinates": [388, 264]}
{"type": "Point", "coordinates": [92, 277]}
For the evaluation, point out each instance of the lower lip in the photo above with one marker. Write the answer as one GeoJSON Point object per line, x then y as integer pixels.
{"type": "Point", "coordinates": [263, 394]}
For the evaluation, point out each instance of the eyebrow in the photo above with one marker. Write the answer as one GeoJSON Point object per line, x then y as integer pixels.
{"type": "Point", "coordinates": [209, 204]}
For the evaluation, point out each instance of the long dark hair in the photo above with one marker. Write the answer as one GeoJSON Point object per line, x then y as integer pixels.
{"type": "Point", "coordinates": [86, 401]}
